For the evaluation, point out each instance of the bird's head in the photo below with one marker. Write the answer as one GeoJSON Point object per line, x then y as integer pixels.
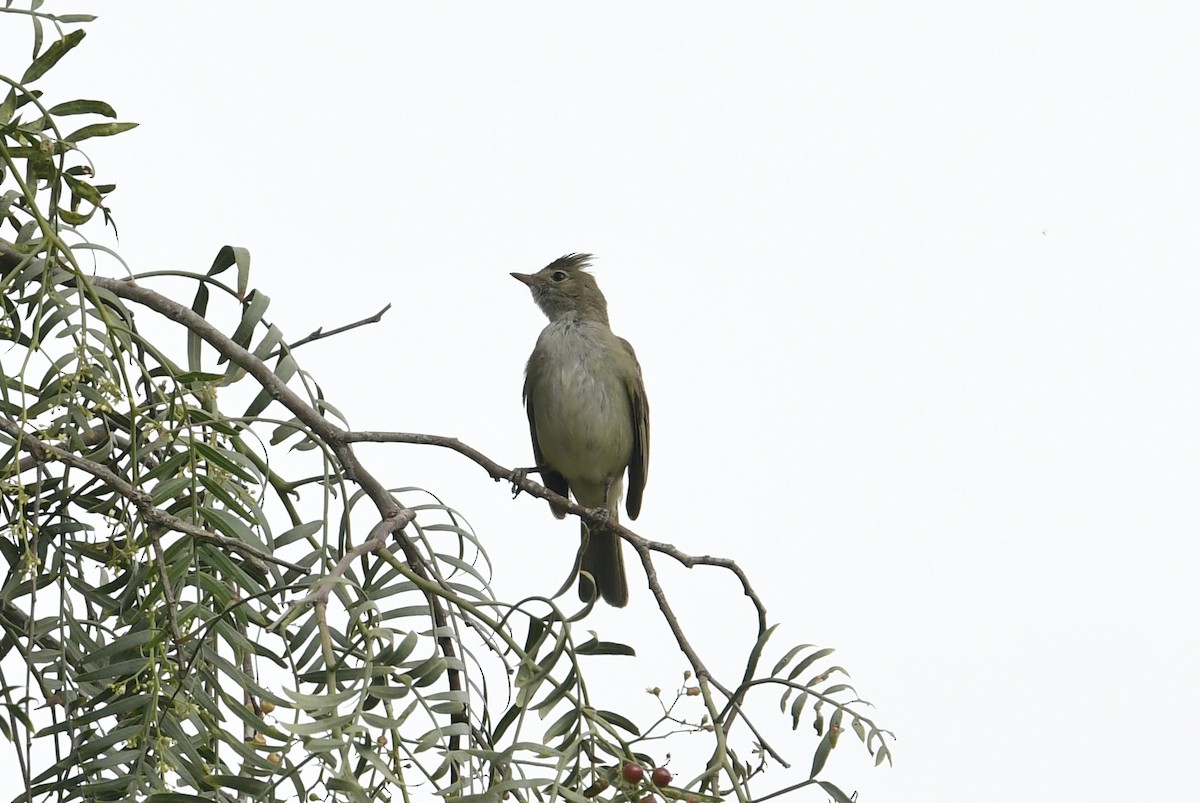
{"type": "Point", "coordinates": [564, 286]}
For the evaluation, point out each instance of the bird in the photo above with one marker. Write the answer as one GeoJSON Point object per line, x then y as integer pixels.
{"type": "Point", "coordinates": [588, 416]}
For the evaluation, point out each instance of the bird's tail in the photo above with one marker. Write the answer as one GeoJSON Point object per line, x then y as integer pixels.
{"type": "Point", "coordinates": [603, 561]}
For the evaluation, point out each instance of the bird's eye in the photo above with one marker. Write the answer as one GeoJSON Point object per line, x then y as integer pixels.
{"type": "Point", "coordinates": [558, 275]}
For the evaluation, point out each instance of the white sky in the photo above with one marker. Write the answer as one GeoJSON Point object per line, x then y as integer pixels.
{"type": "Point", "coordinates": [913, 286]}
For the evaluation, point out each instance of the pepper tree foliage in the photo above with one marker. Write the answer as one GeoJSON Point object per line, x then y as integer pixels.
{"type": "Point", "coordinates": [207, 598]}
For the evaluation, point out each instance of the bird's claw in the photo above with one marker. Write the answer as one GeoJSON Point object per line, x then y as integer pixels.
{"type": "Point", "coordinates": [517, 477]}
{"type": "Point", "coordinates": [600, 515]}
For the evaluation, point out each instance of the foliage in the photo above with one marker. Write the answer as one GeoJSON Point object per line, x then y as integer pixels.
{"type": "Point", "coordinates": [208, 595]}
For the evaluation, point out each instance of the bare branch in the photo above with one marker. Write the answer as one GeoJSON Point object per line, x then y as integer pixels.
{"type": "Point", "coordinates": [498, 472]}
{"type": "Point", "coordinates": [320, 333]}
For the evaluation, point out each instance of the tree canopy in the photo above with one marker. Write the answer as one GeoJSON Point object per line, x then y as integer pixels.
{"type": "Point", "coordinates": [209, 595]}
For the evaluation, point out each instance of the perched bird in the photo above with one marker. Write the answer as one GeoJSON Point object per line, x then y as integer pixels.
{"type": "Point", "coordinates": [588, 415]}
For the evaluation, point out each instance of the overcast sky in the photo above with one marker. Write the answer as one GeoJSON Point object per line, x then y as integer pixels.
{"type": "Point", "coordinates": [913, 286]}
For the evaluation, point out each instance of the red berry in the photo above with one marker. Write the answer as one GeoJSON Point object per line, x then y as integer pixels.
{"type": "Point", "coordinates": [649, 799]}
{"type": "Point", "coordinates": [632, 773]}
{"type": "Point", "coordinates": [661, 776]}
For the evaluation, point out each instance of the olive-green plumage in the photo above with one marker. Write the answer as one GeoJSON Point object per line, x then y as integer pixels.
{"type": "Point", "coordinates": [587, 409]}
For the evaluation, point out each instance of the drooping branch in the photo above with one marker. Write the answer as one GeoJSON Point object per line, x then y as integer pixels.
{"type": "Point", "coordinates": [500, 473]}
{"type": "Point", "coordinates": [150, 513]}
{"type": "Point", "coordinates": [644, 548]}
{"type": "Point", "coordinates": [390, 511]}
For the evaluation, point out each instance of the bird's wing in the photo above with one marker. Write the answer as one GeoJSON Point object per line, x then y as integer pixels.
{"type": "Point", "coordinates": [550, 478]}
{"type": "Point", "coordinates": [639, 461]}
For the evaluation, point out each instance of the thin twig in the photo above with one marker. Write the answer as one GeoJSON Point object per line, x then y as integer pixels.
{"type": "Point", "coordinates": [164, 577]}
{"type": "Point", "coordinates": [319, 593]}
{"type": "Point", "coordinates": [320, 333]}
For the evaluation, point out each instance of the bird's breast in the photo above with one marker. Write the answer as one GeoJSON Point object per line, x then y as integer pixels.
{"type": "Point", "coordinates": [581, 402]}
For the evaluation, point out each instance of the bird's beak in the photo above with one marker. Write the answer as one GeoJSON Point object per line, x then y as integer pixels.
{"type": "Point", "coordinates": [525, 278]}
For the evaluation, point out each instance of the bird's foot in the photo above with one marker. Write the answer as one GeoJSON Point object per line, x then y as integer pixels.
{"type": "Point", "coordinates": [516, 477]}
{"type": "Point", "coordinates": [600, 516]}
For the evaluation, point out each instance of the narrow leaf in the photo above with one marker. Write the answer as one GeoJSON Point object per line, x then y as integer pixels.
{"type": "Point", "coordinates": [809, 661]}
{"type": "Point", "coordinates": [42, 64]}
{"type": "Point", "coordinates": [83, 107]}
{"type": "Point", "coordinates": [821, 755]}
{"type": "Point", "coordinates": [100, 130]}
{"type": "Point", "coordinates": [837, 794]}
{"type": "Point", "coordinates": [233, 255]}
{"type": "Point", "coordinates": [619, 721]}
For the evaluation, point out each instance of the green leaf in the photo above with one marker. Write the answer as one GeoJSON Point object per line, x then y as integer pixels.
{"type": "Point", "coordinates": [821, 755]}
{"type": "Point", "coordinates": [42, 64]}
{"type": "Point", "coordinates": [594, 647]}
{"type": "Point", "coordinates": [378, 763]}
{"type": "Point", "coordinates": [619, 721]}
{"type": "Point", "coordinates": [84, 190]}
{"type": "Point", "coordinates": [798, 709]}
{"type": "Point", "coordinates": [169, 488]}
{"type": "Point", "coordinates": [256, 305]}
{"type": "Point", "coordinates": [809, 661]}
{"type": "Point", "coordinates": [782, 662]}
{"type": "Point", "coordinates": [837, 794]}
{"type": "Point", "coordinates": [859, 730]}
{"type": "Point", "coordinates": [230, 461]}
{"type": "Point", "coordinates": [557, 693]}
{"type": "Point", "coordinates": [99, 130]}
{"type": "Point", "coordinates": [298, 532]}
{"type": "Point", "coordinates": [231, 526]}
{"type": "Point", "coordinates": [562, 725]}
{"type": "Point", "coordinates": [83, 107]}
{"type": "Point", "coordinates": [134, 703]}
{"type": "Point", "coordinates": [233, 255]}
{"type": "Point", "coordinates": [317, 726]}
{"type": "Point", "coordinates": [248, 785]}
{"type": "Point", "coordinates": [285, 370]}
{"type": "Point", "coordinates": [127, 643]}
{"type": "Point", "coordinates": [510, 716]}
{"type": "Point", "coordinates": [74, 218]}
{"type": "Point", "coordinates": [9, 107]}
{"type": "Point", "coordinates": [121, 669]}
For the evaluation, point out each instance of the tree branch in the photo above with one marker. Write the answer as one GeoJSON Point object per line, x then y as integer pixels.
{"type": "Point", "coordinates": [144, 503]}
{"type": "Point", "coordinates": [320, 333]}
{"type": "Point", "coordinates": [389, 509]}
{"type": "Point", "coordinates": [644, 549]}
